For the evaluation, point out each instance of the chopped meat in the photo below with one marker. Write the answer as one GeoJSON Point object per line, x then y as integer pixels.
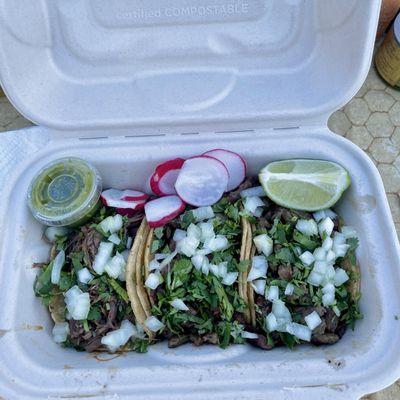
{"type": "Point", "coordinates": [263, 304]}
{"type": "Point", "coordinates": [331, 320]}
{"type": "Point", "coordinates": [211, 338]}
{"type": "Point", "coordinates": [261, 342]}
{"type": "Point", "coordinates": [196, 340]}
{"type": "Point", "coordinates": [326, 338]}
{"type": "Point", "coordinates": [285, 272]}
{"type": "Point", "coordinates": [176, 341]}
{"type": "Point", "coordinates": [93, 344]}
{"type": "Point", "coordinates": [263, 223]}
{"type": "Point", "coordinates": [239, 317]}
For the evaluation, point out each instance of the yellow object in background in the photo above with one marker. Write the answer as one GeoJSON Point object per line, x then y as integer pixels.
{"type": "Point", "coordinates": [387, 59]}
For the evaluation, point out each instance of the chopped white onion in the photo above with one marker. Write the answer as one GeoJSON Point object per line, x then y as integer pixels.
{"type": "Point", "coordinates": [252, 203]}
{"type": "Point", "coordinates": [349, 232]}
{"type": "Point", "coordinates": [254, 191]}
{"type": "Point", "coordinates": [320, 267]}
{"type": "Point", "coordinates": [280, 310]}
{"type": "Point", "coordinates": [207, 230]}
{"type": "Point", "coordinates": [319, 254]}
{"type": "Point", "coordinates": [154, 324]}
{"type": "Point", "coordinates": [258, 212]}
{"type": "Point", "coordinates": [122, 276]}
{"type": "Point", "coordinates": [282, 315]}
{"type": "Point", "coordinates": [129, 242]}
{"type": "Point", "coordinates": [249, 335]}
{"type": "Point", "coordinates": [323, 214]}
{"type": "Point", "coordinates": [188, 246]}
{"type": "Point", "coordinates": [273, 293]}
{"type": "Point", "coordinates": [307, 258]}
{"type": "Point", "coordinates": [214, 269]}
{"type": "Point", "coordinates": [102, 257]}
{"type": "Point", "coordinates": [52, 233]}
{"type": "Point", "coordinates": [194, 231]}
{"type": "Point", "coordinates": [84, 276]}
{"type": "Point", "coordinates": [125, 254]}
{"type": "Point", "coordinates": [327, 244]}
{"type": "Point", "coordinates": [154, 265]}
{"type": "Point", "coordinates": [328, 299]}
{"type": "Point", "coordinates": [223, 269]}
{"type": "Point", "coordinates": [340, 277]}
{"type": "Point", "coordinates": [328, 288]}
{"type": "Point", "coordinates": [264, 244]}
{"type": "Point", "coordinates": [154, 280]}
{"type": "Point", "coordinates": [138, 332]}
{"type": "Point", "coordinates": [179, 234]}
{"type": "Point", "coordinates": [205, 267]}
{"type": "Point", "coordinates": [160, 256]}
{"type": "Point", "coordinates": [339, 238]}
{"type": "Point", "coordinates": [302, 332]}
{"type": "Point", "coordinates": [230, 278]}
{"type": "Point", "coordinates": [289, 290]}
{"type": "Point", "coordinates": [202, 213]}
{"type": "Point", "coordinates": [78, 303]}
{"type": "Point", "coordinates": [315, 279]}
{"type": "Point", "coordinates": [258, 269]}
{"type": "Point", "coordinates": [179, 304]}
{"type": "Point", "coordinates": [330, 273]}
{"type": "Point", "coordinates": [307, 226]}
{"type": "Point", "coordinates": [326, 226]}
{"type": "Point", "coordinates": [114, 238]}
{"type": "Point", "coordinates": [313, 320]}
{"type": "Point", "coordinates": [112, 224]}
{"type": "Point", "coordinates": [330, 256]}
{"type": "Point", "coordinates": [217, 243]}
{"type": "Point", "coordinates": [259, 286]}
{"type": "Point", "coordinates": [115, 266]}
{"type": "Point", "coordinates": [167, 260]}
{"type": "Point", "coordinates": [197, 261]}
{"type": "Point", "coordinates": [340, 250]}
{"type": "Point", "coordinates": [119, 337]}
{"type": "Point", "coordinates": [60, 332]}
{"type": "Point", "coordinates": [271, 323]}
{"type": "Point", "coordinates": [58, 263]}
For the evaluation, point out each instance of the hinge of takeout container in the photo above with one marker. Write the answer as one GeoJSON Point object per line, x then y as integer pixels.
{"type": "Point", "coordinates": [176, 133]}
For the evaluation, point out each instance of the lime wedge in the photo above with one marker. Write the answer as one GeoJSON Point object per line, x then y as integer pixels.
{"type": "Point", "coordinates": [308, 185]}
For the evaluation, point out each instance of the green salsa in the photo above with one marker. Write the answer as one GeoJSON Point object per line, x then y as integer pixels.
{"type": "Point", "coordinates": [65, 192]}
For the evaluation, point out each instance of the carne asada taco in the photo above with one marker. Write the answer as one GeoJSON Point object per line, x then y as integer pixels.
{"type": "Point", "coordinates": [304, 281]}
{"type": "Point", "coordinates": [83, 285]}
{"type": "Point", "coordinates": [187, 280]}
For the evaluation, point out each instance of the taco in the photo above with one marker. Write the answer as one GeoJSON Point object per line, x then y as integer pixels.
{"type": "Point", "coordinates": [87, 301]}
{"type": "Point", "coordinates": [304, 281]}
{"type": "Point", "coordinates": [187, 281]}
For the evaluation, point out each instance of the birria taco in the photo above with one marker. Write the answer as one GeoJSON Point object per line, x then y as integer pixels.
{"type": "Point", "coordinates": [187, 280]}
{"type": "Point", "coordinates": [304, 281]}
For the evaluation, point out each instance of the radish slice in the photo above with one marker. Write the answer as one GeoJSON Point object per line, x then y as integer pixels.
{"type": "Point", "coordinates": [234, 163]}
{"type": "Point", "coordinates": [118, 198]}
{"type": "Point", "coordinates": [130, 212]}
{"type": "Point", "coordinates": [202, 181]}
{"type": "Point", "coordinates": [126, 202]}
{"type": "Point", "coordinates": [161, 211]}
{"type": "Point", "coordinates": [162, 182]}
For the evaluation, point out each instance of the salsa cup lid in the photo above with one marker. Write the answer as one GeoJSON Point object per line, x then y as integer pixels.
{"type": "Point", "coordinates": [64, 191]}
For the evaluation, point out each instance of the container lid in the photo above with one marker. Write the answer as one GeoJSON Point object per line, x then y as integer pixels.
{"type": "Point", "coordinates": [112, 64]}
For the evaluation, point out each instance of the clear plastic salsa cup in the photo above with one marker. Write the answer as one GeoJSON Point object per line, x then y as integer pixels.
{"type": "Point", "coordinates": [66, 192]}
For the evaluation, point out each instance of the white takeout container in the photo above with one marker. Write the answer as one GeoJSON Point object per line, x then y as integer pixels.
{"type": "Point", "coordinates": [125, 84]}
